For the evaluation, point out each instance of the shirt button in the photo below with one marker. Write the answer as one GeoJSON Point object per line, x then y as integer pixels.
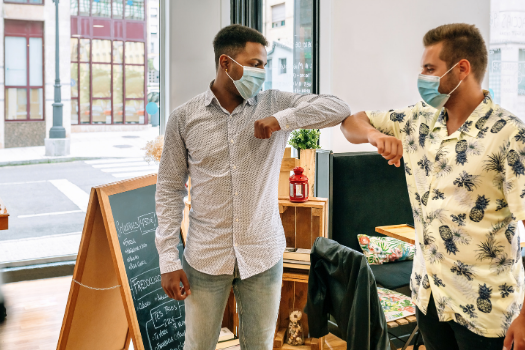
{"type": "Point", "coordinates": [287, 126]}
{"type": "Point", "coordinates": [237, 220]}
{"type": "Point", "coordinates": [234, 167]}
{"type": "Point", "coordinates": [231, 141]}
{"type": "Point", "coordinates": [235, 245]}
{"type": "Point", "coordinates": [236, 193]}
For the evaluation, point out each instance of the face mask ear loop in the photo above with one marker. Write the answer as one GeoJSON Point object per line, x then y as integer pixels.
{"type": "Point", "coordinates": [450, 93]}
{"type": "Point", "coordinates": [229, 76]}
{"type": "Point", "coordinates": [238, 64]}
{"type": "Point", "coordinates": [443, 74]}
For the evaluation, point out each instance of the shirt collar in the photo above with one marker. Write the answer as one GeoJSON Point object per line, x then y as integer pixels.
{"type": "Point", "coordinates": [468, 127]}
{"type": "Point", "coordinates": [210, 96]}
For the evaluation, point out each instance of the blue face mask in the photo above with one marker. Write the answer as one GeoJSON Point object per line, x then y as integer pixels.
{"type": "Point", "coordinates": [428, 86]}
{"type": "Point", "coordinates": [251, 81]}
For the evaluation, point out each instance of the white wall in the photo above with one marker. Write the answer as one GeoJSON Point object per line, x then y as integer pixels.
{"type": "Point", "coordinates": [373, 49]}
{"type": "Point", "coordinates": [193, 25]}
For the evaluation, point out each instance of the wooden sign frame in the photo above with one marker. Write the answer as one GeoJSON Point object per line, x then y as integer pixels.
{"type": "Point", "coordinates": [102, 319]}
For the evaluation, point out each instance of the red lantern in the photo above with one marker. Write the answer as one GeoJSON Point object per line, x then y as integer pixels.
{"type": "Point", "coordinates": [298, 186]}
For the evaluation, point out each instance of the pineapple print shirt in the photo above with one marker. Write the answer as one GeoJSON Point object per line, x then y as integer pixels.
{"type": "Point", "coordinates": [467, 192]}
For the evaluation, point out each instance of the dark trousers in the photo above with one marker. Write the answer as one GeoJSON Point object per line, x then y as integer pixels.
{"type": "Point", "coordinates": [451, 335]}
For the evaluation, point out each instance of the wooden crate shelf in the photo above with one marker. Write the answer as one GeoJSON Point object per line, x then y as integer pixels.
{"type": "Point", "coordinates": [303, 222]}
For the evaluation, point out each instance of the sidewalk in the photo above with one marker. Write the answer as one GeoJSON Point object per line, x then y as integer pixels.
{"type": "Point", "coordinates": [86, 145]}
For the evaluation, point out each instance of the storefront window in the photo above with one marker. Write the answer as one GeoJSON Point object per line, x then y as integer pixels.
{"type": "Point", "coordinates": [135, 9]}
{"type": "Point", "coordinates": [521, 72]}
{"type": "Point", "coordinates": [107, 73]}
{"type": "Point", "coordinates": [31, 2]}
{"type": "Point", "coordinates": [24, 78]}
{"type": "Point", "coordinates": [134, 53]}
{"type": "Point", "coordinates": [16, 104]}
{"type": "Point", "coordinates": [108, 86]}
{"type": "Point", "coordinates": [118, 8]}
{"type": "Point", "coordinates": [495, 74]}
{"type": "Point", "coordinates": [101, 8]}
{"type": "Point", "coordinates": [134, 81]}
{"type": "Point", "coordinates": [118, 100]}
{"type": "Point", "coordinates": [83, 6]}
{"type": "Point", "coordinates": [118, 52]}
{"type": "Point", "coordinates": [290, 27]}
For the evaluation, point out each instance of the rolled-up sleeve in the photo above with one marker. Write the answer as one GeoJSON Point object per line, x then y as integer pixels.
{"type": "Point", "coordinates": [171, 190]}
{"type": "Point", "coordinates": [389, 122]}
{"type": "Point", "coordinates": [310, 111]}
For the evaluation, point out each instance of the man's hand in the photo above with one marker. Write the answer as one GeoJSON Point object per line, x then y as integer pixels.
{"type": "Point", "coordinates": [171, 284]}
{"type": "Point", "coordinates": [265, 127]}
{"type": "Point", "coordinates": [516, 334]}
{"type": "Point", "coordinates": [388, 146]}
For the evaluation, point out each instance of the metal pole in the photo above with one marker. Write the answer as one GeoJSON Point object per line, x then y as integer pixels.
{"type": "Point", "coordinates": [57, 130]}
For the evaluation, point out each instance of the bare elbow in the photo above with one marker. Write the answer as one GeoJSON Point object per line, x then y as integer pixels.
{"type": "Point", "coordinates": [347, 128]}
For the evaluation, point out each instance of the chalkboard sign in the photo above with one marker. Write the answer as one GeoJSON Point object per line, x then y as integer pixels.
{"type": "Point", "coordinates": [116, 294]}
{"type": "Point", "coordinates": [161, 319]}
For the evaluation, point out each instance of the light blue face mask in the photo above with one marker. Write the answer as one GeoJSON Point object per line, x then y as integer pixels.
{"type": "Point", "coordinates": [251, 81]}
{"type": "Point", "coordinates": [428, 86]}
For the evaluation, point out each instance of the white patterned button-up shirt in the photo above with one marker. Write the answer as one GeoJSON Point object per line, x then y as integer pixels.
{"type": "Point", "coordinates": [467, 192]}
{"type": "Point", "coordinates": [234, 213]}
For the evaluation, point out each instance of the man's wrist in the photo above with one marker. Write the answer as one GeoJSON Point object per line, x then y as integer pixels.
{"type": "Point", "coordinates": [370, 133]}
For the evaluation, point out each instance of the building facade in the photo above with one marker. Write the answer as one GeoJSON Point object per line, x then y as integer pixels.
{"type": "Point", "coordinates": [28, 74]}
{"type": "Point", "coordinates": [507, 55]}
{"type": "Point", "coordinates": [103, 67]}
{"type": "Point", "coordinates": [108, 63]}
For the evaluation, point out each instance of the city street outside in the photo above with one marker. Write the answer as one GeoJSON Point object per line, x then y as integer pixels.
{"type": "Point", "coordinates": [47, 201]}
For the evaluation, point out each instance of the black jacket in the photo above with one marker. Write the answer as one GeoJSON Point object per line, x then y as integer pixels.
{"type": "Point", "coordinates": [342, 284]}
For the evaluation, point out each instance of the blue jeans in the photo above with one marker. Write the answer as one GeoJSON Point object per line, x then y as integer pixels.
{"type": "Point", "coordinates": [257, 297]}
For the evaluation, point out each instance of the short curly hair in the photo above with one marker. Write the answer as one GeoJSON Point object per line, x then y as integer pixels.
{"type": "Point", "coordinates": [232, 39]}
{"type": "Point", "coordinates": [460, 41]}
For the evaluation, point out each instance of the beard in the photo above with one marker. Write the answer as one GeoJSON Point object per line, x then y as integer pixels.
{"type": "Point", "coordinates": [448, 83]}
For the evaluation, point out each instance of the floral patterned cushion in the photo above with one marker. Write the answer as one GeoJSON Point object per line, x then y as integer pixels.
{"type": "Point", "coordinates": [395, 305]}
{"type": "Point", "coordinates": [380, 250]}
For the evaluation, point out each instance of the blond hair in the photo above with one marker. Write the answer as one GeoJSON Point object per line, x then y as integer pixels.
{"type": "Point", "coordinates": [460, 41]}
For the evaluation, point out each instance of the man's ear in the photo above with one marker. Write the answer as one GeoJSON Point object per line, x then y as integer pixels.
{"type": "Point", "coordinates": [464, 69]}
{"type": "Point", "coordinates": [224, 63]}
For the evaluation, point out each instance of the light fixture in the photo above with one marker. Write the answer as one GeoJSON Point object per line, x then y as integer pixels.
{"type": "Point", "coordinates": [76, 35]}
{"type": "Point", "coordinates": [98, 26]}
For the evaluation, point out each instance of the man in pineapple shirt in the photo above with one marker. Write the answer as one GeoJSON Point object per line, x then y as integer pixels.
{"type": "Point", "coordinates": [464, 162]}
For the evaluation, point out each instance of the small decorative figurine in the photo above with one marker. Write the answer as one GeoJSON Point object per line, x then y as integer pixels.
{"type": "Point", "coordinates": [298, 186]}
{"type": "Point", "coordinates": [295, 329]}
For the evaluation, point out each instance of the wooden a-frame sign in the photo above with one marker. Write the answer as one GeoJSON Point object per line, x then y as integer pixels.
{"type": "Point", "coordinates": [102, 319]}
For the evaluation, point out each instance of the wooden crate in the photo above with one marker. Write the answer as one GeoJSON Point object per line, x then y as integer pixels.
{"type": "Point", "coordinates": [293, 296]}
{"type": "Point", "coordinates": [304, 222]}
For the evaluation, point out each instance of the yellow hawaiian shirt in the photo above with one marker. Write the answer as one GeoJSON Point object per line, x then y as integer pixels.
{"type": "Point", "coordinates": [467, 192]}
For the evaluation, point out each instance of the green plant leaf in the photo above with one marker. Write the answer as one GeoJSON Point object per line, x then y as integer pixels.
{"type": "Point", "coordinates": [305, 139]}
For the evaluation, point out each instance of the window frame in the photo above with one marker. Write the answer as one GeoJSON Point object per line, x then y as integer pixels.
{"type": "Point", "coordinates": [112, 64]}
{"type": "Point", "coordinates": [111, 17]}
{"type": "Point", "coordinates": [521, 67]}
{"type": "Point", "coordinates": [283, 65]}
{"type": "Point", "coordinates": [250, 12]}
{"type": "Point", "coordinates": [28, 87]}
{"type": "Point", "coordinates": [24, 3]}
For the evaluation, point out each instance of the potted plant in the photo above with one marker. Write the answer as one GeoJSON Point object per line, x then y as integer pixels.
{"type": "Point", "coordinates": [306, 141]}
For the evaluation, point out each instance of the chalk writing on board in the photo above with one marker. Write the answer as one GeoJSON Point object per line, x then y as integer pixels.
{"type": "Point", "coordinates": [146, 223]}
{"type": "Point", "coordinates": [161, 319]}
